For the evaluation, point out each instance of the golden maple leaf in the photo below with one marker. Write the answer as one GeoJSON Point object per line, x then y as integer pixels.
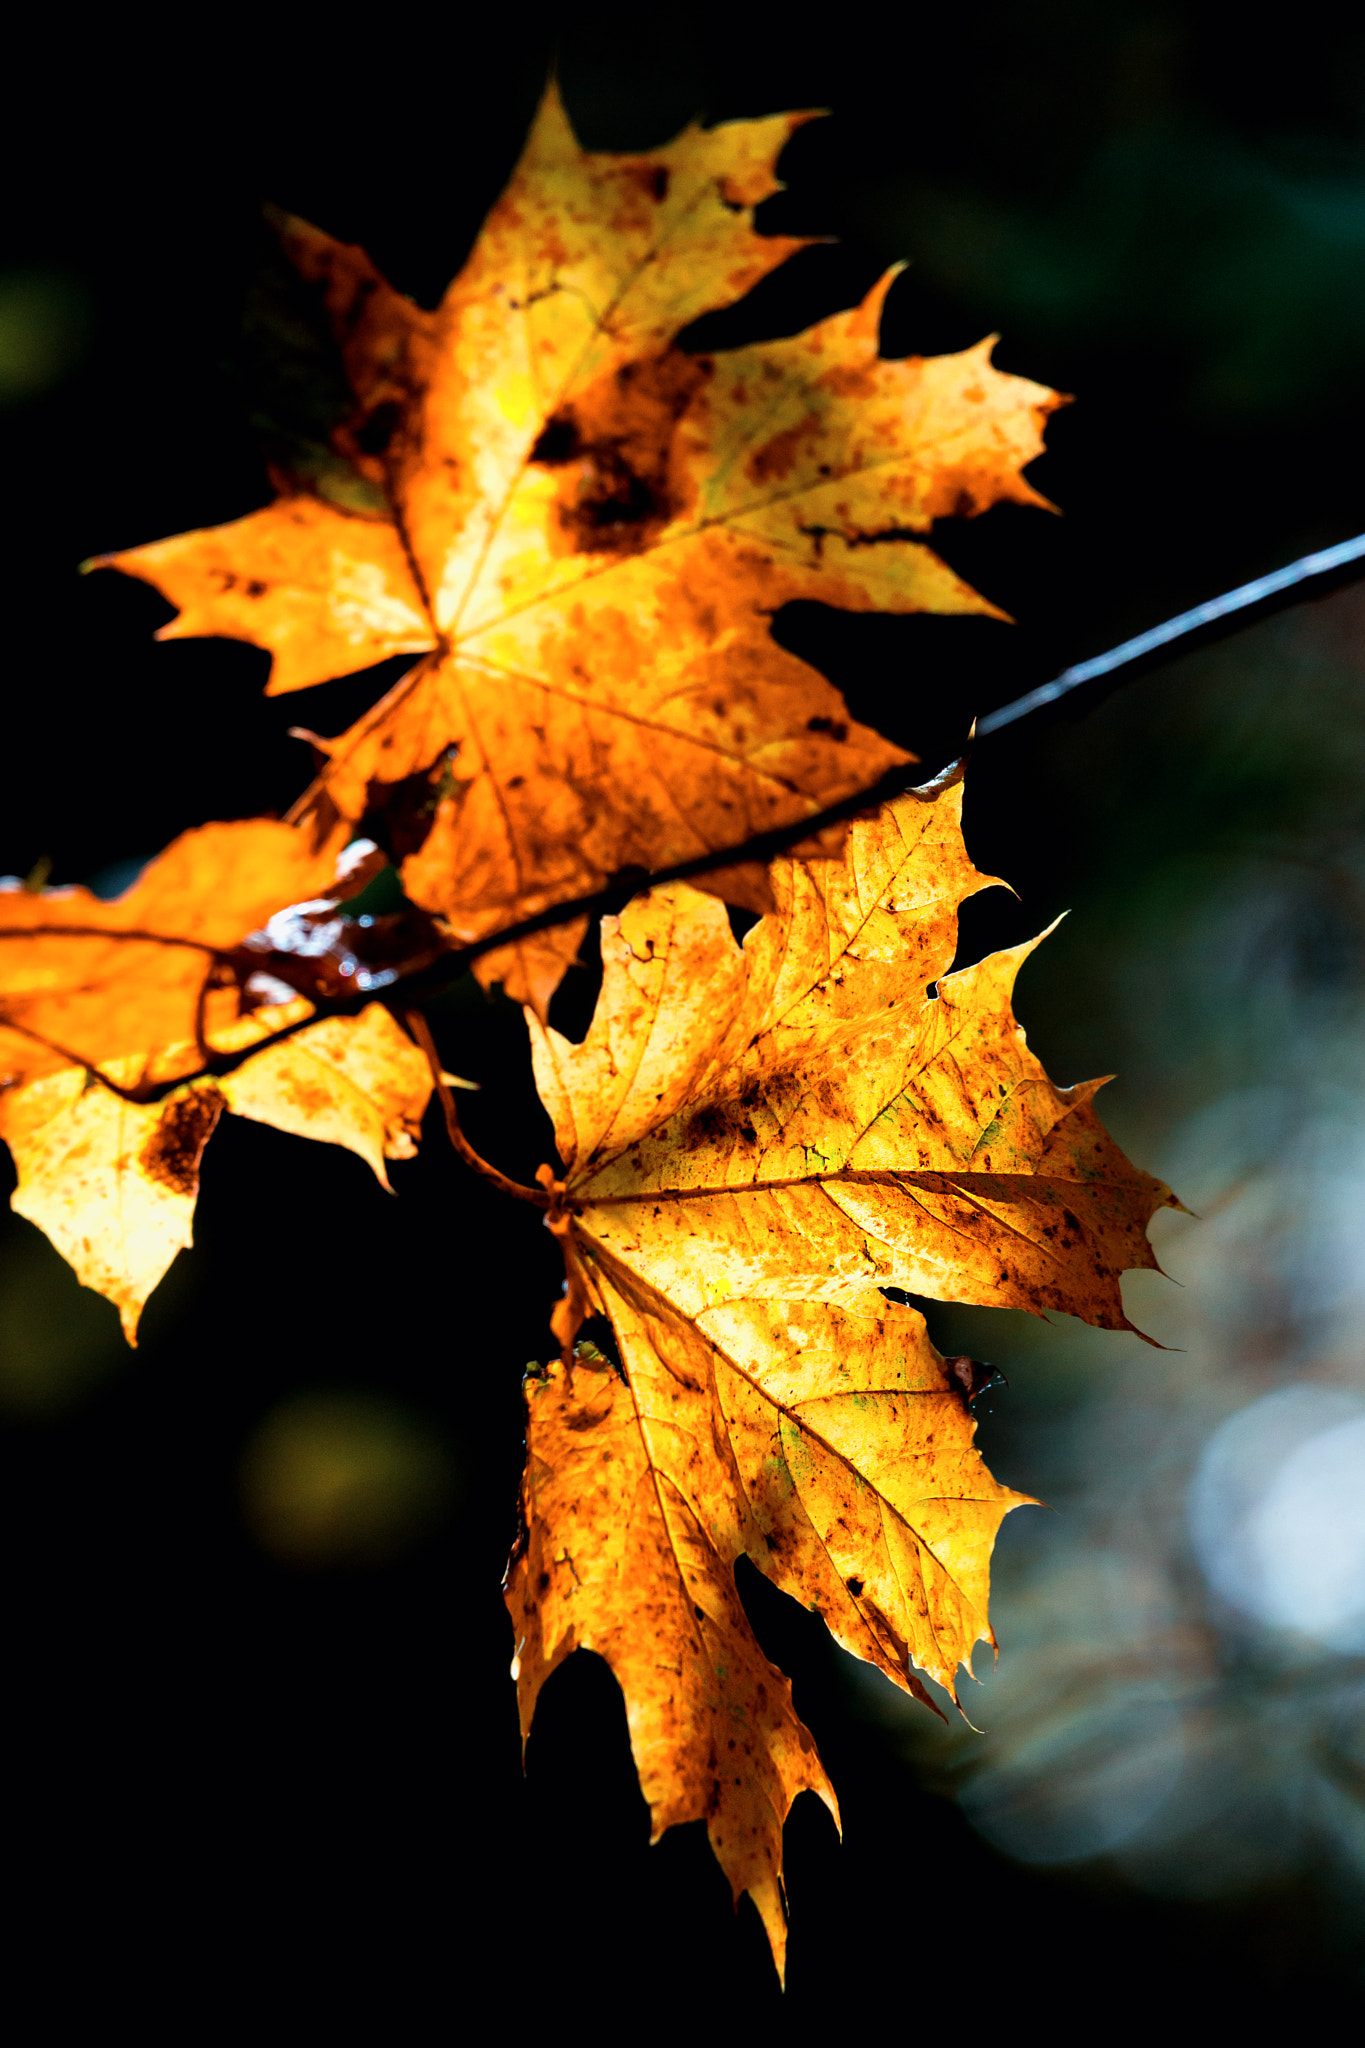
{"type": "Point", "coordinates": [757, 1141]}
{"type": "Point", "coordinates": [103, 1004]}
{"type": "Point", "coordinates": [585, 529]}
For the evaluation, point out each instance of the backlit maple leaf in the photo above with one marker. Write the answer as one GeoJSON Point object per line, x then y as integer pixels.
{"type": "Point", "coordinates": [585, 530]}
{"type": "Point", "coordinates": [103, 1004]}
{"type": "Point", "coordinates": [757, 1142]}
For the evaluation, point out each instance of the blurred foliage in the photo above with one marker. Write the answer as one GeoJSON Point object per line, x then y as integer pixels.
{"type": "Point", "coordinates": [1161, 246]}
{"type": "Point", "coordinates": [44, 325]}
{"type": "Point", "coordinates": [343, 1478]}
{"type": "Point", "coordinates": [1141, 1723]}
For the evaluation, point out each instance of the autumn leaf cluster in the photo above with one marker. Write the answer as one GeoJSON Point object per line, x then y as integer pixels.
{"type": "Point", "coordinates": [580, 529]}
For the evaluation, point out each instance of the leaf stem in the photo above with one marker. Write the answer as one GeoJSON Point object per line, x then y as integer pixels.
{"type": "Point", "coordinates": [421, 1031]}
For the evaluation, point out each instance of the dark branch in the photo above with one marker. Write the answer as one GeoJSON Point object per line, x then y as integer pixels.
{"type": "Point", "coordinates": [404, 983]}
{"type": "Point", "coordinates": [1309, 576]}
{"type": "Point", "coordinates": [1206, 621]}
{"type": "Point", "coordinates": [92, 1072]}
{"type": "Point", "coordinates": [101, 931]}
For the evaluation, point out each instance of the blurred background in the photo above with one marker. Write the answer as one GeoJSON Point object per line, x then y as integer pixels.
{"type": "Point", "coordinates": [257, 1716]}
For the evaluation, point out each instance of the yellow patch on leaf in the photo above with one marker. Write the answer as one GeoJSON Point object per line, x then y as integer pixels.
{"type": "Point", "coordinates": [112, 1183]}
{"type": "Point", "coordinates": [590, 529]}
{"type": "Point", "coordinates": [757, 1143]}
{"type": "Point", "coordinates": [353, 1081]}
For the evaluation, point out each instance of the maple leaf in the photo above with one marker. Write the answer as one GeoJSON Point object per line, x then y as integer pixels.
{"type": "Point", "coordinates": [104, 1006]}
{"type": "Point", "coordinates": [621, 1559]}
{"type": "Point", "coordinates": [757, 1142]}
{"type": "Point", "coordinates": [585, 530]}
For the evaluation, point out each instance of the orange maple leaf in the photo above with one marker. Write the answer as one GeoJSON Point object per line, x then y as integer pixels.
{"type": "Point", "coordinates": [105, 1006]}
{"type": "Point", "coordinates": [585, 529]}
{"type": "Point", "coordinates": [757, 1142]}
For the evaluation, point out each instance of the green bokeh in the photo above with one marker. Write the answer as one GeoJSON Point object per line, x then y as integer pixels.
{"type": "Point", "coordinates": [44, 325]}
{"type": "Point", "coordinates": [338, 1477]}
{"type": "Point", "coordinates": [58, 1340]}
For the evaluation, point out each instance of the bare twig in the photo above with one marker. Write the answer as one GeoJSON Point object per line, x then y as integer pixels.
{"type": "Point", "coordinates": [1307, 577]}
{"type": "Point", "coordinates": [1257, 595]}
{"type": "Point", "coordinates": [101, 931]}
{"type": "Point", "coordinates": [136, 1095]}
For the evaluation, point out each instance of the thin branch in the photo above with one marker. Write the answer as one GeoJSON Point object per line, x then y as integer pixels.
{"type": "Point", "coordinates": [201, 1003]}
{"type": "Point", "coordinates": [137, 1095]}
{"type": "Point", "coordinates": [103, 931]}
{"type": "Point", "coordinates": [1307, 577]}
{"type": "Point", "coordinates": [1219, 614]}
{"type": "Point", "coordinates": [1315, 568]}
{"type": "Point", "coordinates": [421, 1031]}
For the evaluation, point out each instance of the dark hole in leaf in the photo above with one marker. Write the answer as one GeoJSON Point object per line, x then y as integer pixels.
{"type": "Point", "coordinates": [374, 437]}
{"type": "Point", "coordinates": [558, 442]}
{"type": "Point", "coordinates": [597, 1332]}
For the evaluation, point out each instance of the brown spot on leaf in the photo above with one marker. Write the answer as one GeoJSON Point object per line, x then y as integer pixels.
{"type": "Point", "coordinates": [558, 441]}
{"type": "Point", "coordinates": [777, 457]}
{"type": "Point", "coordinates": [616, 444]}
{"type": "Point", "coordinates": [709, 1124]}
{"type": "Point", "coordinates": [652, 179]}
{"type": "Point", "coordinates": [173, 1152]}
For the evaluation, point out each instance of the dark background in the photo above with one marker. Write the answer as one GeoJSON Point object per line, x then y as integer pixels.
{"type": "Point", "coordinates": [221, 1764]}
